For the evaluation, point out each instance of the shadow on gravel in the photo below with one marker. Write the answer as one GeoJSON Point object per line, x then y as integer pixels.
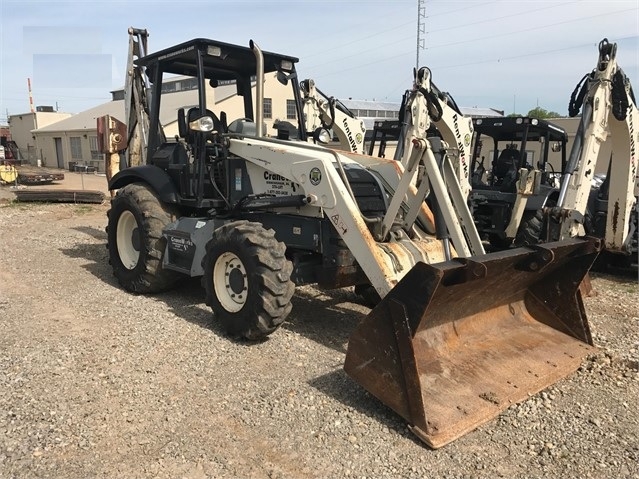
{"type": "Point", "coordinates": [185, 301]}
{"type": "Point", "coordinates": [340, 387]}
{"type": "Point", "coordinates": [323, 320]}
{"type": "Point", "coordinates": [327, 318]}
{"type": "Point", "coordinates": [96, 233]}
{"type": "Point", "coordinates": [323, 317]}
{"type": "Point", "coordinates": [320, 319]}
{"type": "Point", "coordinates": [96, 254]}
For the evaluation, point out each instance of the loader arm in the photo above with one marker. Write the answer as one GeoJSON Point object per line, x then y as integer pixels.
{"type": "Point", "coordinates": [609, 114]}
{"type": "Point", "coordinates": [313, 169]}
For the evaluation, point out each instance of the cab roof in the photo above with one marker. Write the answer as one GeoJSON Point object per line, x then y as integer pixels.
{"type": "Point", "coordinates": [222, 61]}
{"type": "Point", "coordinates": [512, 128]}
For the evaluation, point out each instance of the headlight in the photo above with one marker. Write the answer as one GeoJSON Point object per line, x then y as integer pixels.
{"type": "Point", "coordinates": [202, 124]}
{"type": "Point", "coordinates": [214, 51]}
{"type": "Point", "coordinates": [322, 135]}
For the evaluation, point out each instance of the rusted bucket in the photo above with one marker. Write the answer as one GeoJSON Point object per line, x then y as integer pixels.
{"type": "Point", "coordinates": [454, 344]}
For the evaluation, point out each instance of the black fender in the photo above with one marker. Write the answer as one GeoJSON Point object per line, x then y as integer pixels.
{"type": "Point", "coordinates": [155, 177]}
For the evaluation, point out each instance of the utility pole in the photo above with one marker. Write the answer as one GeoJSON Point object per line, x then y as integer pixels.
{"type": "Point", "coordinates": [30, 96]}
{"type": "Point", "coordinates": [421, 27]}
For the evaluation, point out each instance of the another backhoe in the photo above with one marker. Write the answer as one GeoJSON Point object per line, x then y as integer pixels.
{"type": "Point", "coordinates": [609, 114]}
{"type": "Point", "coordinates": [452, 342]}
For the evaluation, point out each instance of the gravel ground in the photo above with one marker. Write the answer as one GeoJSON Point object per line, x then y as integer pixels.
{"type": "Point", "coordinates": [96, 382]}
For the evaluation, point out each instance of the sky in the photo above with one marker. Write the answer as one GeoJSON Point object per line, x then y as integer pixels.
{"type": "Point", "coordinates": [511, 55]}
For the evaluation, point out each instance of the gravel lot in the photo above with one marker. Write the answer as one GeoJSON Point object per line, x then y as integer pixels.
{"type": "Point", "coordinates": [96, 382]}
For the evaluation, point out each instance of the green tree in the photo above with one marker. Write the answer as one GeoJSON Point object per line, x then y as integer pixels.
{"type": "Point", "coordinates": [542, 114]}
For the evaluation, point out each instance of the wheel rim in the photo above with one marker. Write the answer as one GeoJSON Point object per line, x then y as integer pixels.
{"type": "Point", "coordinates": [230, 282]}
{"type": "Point", "coordinates": [128, 240]}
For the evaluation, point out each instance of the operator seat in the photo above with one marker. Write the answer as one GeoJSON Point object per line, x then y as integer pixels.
{"type": "Point", "coordinates": [507, 160]}
{"type": "Point", "coordinates": [505, 169]}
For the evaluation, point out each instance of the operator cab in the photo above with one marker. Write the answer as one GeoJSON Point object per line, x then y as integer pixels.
{"type": "Point", "coordinates": [197, 159]}
{"type": "Point", "coordinates": [502, 147]}
{"type": "Point", "coordinates": [507, 140]}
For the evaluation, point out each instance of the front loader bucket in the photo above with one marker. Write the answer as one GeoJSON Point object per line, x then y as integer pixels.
{"type": "Point", "coordinates": [454, 344]}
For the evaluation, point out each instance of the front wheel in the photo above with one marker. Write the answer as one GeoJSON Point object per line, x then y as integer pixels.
{"type": "Point", "coordinates": [531, 229]}
{"type": "Point", "coordinates": [136, 247]}
{"type": "Point", "coordinates": [247, 279]}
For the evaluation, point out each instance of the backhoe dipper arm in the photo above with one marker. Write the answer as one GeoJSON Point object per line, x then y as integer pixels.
{"type": "Point", "coordinates": [457, 132]}
{"type": "Point", "coordinates": [321, 111]}
{"type": "Point", "coordinates": [135, 99]}
{"type": "Point", "coordinates": [442, 111]}
{"type": "Point", "coordinates": [450, 184]}
{"type": "Point", "coordinates": [606, 91]}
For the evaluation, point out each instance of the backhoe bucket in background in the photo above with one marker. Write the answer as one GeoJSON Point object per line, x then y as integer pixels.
{"type": "Point", "coordinates": [454, 344]}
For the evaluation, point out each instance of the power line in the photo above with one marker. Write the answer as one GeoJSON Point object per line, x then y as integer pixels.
{"type": "Point", "coordinates": [500, 18]}
{"type": "Point", "coordinates": [532, 54]}
{"type": "Point", "coordinates": [360, 52]}
{"type": "Point", "coordinates": [517, 32]}
{"type": "Point", "coordinates": [469, 41]}
{"type": "Point", "coordinates": [457, 10]}
{"type": "Point", "coordinates": [376, 34]}
{"type": "Point", "coordinates": [365, 65]}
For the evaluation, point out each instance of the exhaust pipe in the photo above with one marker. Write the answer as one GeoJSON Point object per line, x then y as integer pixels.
{"type": "Point", "coordinates": [259, 89]}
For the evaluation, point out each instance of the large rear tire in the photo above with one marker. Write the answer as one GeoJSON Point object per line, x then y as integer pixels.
{"type": "Point", "coordinates": [247, 279]}
{"type": "Point", "coordinates": [135, 223]}
{"type": "Point", "coordinates": [531, 229]}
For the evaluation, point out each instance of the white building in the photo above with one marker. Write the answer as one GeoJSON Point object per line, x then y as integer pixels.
{"type": "Point", "coordinates": [62, 140]}
{"type": "Point", "coordinates": [74, 140]}
{"type": "Point", "coordinates": [21, 127]}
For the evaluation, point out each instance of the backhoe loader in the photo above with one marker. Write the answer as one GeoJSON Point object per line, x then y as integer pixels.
{"type": "Point", "coordinates": [609, 114]}
{"type": "Point", "coordinates": [450, 345]}
{"type": "Point", "coordinates": [528, 204]}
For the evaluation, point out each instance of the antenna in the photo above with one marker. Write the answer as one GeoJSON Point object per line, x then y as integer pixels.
{"type": "Point", "coordinates": [30, 96]}
{"type": "Point", "coordinates": [421, 27]}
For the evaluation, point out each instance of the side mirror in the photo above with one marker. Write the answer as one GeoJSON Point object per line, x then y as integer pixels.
{"type": "Point", "coordinates": [282, 77]}
{"type": "Point", "coordinates": [556, 147]}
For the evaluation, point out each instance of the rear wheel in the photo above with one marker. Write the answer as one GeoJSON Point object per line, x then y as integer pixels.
{"type": "Point", "coordinates": [247, 279]}
{"type": "Point", "coordinates": [135, 223]}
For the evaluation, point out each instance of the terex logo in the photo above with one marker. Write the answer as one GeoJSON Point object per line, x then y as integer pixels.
{"type": "Point", "coordinates": [349, 135]}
